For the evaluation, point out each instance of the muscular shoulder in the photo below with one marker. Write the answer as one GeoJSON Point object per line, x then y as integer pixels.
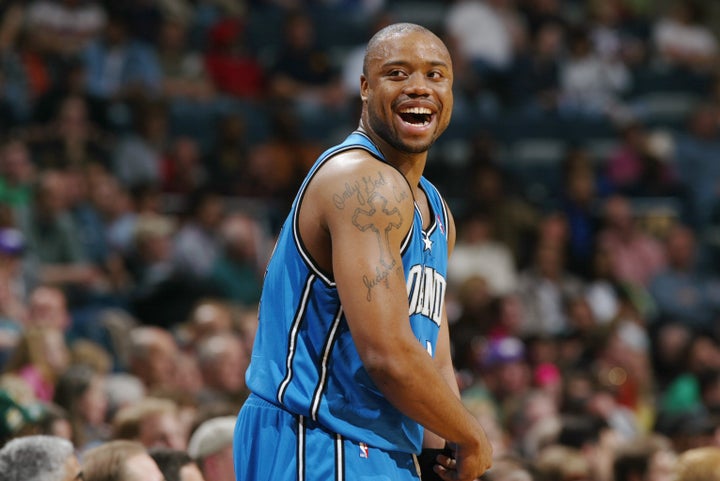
{"type": "Point", "coordinates": [354, 180]}
{"type": "Point", "coordinates": [352, 198]}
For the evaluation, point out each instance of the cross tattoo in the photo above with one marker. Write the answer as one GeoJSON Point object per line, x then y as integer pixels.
{"type": "Point", "coordinates": [381, 221]}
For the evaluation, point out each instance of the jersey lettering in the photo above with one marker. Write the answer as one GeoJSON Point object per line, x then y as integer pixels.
{"type": "Point", "coordinates": [426, 292]}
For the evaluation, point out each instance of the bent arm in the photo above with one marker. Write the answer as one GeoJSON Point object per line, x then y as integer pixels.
{"type": "Point", "coordinates": [369, 211]}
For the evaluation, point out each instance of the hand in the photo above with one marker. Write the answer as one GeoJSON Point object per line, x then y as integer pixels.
{"type": "Point", "coordinates": [467, 465]}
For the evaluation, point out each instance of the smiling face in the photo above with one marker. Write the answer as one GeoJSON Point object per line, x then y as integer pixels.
{"type": "Point", "coordinates": [407, 88]}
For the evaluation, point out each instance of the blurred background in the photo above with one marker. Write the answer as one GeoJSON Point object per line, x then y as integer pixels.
{"type": "Point", "coordinates": [150, 149]}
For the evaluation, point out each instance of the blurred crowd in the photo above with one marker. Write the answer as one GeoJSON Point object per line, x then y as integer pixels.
{"type": "Point", "coordinates": [149, 150]}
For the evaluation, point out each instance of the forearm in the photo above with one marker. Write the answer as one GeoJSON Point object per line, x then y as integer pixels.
{"type": "Point", "coordinates": [414, 385]}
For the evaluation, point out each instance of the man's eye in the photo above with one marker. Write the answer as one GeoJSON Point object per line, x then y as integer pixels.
{"type": "Point", "coordinates": [396, 73]}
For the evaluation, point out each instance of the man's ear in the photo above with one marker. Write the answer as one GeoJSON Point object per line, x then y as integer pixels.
{"type": "Point", "coordinates": [363, 88]}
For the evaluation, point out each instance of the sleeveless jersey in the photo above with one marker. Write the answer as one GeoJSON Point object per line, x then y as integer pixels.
{"type": "Point", "coordinates": [304, 359]}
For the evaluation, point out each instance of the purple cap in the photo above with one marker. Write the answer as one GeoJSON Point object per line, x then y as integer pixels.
{"type": "Point", "coordinates": [503, 350]}
{"type": "Point", "coordinates": [12, 241]}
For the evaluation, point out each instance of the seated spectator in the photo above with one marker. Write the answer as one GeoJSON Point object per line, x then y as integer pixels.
{"type": "Point", "coordinates": [590, 85]}
{"type": "Point", "coordinates": [231, 68]}
{"type": "Point", "coordinates": [53, 243]}
{"type": "Point", "coordinates": [120, 67]}
{"type": "Point", "coordinates": [699, 464]}
{"type": "Point", "coordinates": [17, 175]}
{"type": "Point", "coordinates": [196, 245]}
{"type": "Point", "coordinates": [223, 361]}
{"type": "Point", "coordinates": [681, 39]}
{"type": "Point", "coordinates": [39, 457]}
{"type": "Point", "coordinates": [138, 156]}
{"type": "Point", "coordinates": [64, 28]}
{"type": "Point", "coordinates": [535, 76]}
{"type": "Point", "coordinates": [184, 76]}
{"type": "Point", "coordinates": [176, 465]}
{"type": "Point", "coordinates": [71, 140]}
{"type": "Point", "coordinates": [120, 460]}
{"type": "Point", "coordinates": [153, 422]}
{"type": "Point", "coordinates": [651, 458]}
{"type": "Point", "coordinates": [182, 168]}
{"type": "Point", "coordinates": [303, 72]}
{"type": "Point", "coordinates": [40, 357]}
{"type": "Point", "coordinates": [211, 447]}
{"type": "Point", "coordinates": [635, 256]}
{"type": "Point", "coordinates": [237, 271]}
{"type": "Point", "coordinates": [485, 36]}
{"type": "Point", "coordinates": [681, 292]}
{"type": "Point", "coordinates": [81, 392]}
{"type": "Point", "coordinates": [478, 253]}
{"type": "Point", "coordinates": [153, 354]}
{"type": "Point", "coordinates": [544, 289]}
{"type": "Point", "coordinates": [562, 463]}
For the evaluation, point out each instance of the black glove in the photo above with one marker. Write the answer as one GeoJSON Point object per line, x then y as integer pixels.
{"type": "Point", "coordinates": [427, 459]}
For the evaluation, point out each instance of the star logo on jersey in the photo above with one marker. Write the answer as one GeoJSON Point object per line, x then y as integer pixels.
{"type": "Point", "coordinates": [427, 242]}
{"type": "Point", "coordinates": [364, 451]}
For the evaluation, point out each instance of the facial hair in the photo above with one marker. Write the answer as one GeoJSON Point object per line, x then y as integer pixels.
{"type": "Point", "coordinates": [385, 132]}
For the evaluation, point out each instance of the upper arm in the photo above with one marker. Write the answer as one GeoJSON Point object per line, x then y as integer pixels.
{"type": "Point", "coordinates": [367, 209]}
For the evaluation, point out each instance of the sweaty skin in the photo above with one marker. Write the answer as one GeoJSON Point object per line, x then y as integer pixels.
{"type": "Point", "coordinates": [354, 216]}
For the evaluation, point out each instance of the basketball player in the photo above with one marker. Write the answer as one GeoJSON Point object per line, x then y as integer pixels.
{"type": "Point", "coordinates": [351, 374]}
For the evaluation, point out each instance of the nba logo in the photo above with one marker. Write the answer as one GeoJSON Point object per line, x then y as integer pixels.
{"type": "Point", "coordinates": [364, 452]}
{"type": "Point", "coordinates": [440, 224]}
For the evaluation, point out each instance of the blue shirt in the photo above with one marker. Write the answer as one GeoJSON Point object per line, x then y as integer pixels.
{"type": "Point", "coordinates": [304, 358]}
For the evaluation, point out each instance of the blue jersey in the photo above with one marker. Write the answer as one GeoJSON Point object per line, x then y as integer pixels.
{"type": "Point", "coordinates": [304, 359]}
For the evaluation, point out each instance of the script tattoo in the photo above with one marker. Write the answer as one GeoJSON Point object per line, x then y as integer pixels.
{"type": "Point", "coordinates": [361, 190]}
{"type": "Point", "coordinates": [381, 220]}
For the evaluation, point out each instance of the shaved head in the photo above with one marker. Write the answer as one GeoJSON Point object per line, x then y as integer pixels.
{"type": "Point", "coordinates": [386, 34]}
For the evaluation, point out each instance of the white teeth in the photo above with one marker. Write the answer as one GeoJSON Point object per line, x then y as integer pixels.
{"type": "Point", "coordinates": [416, 110]}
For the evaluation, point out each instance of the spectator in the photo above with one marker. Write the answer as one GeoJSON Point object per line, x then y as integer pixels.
{"type": "Point", "coordinates": [176, 465]}
{"type": "Point", "coordinates": [184, 78]}
{"type": "Point", "coordinates": [228, 162]}
{"type": "Point", "coordinates": [535, 76]}
{"type": "Point", "coordinates": [40, 357]}
{"type": "Point", "coordinates": [120, 460]}
{"type": "Point", "coordinates": [81, 392]}
{"type": "Point", "coordinates": [651, 458]}
{"type": "Point", "coordinates": [477, 253]}
{"type": "Point", "coordinates": [635, 256]}
{"type": "Point", "coordinates": [590, 85]}
{"type": "Point", "coordinates": [39, 457]}
{"type": "Point", "coordinates": [681, 292]}
{"type": "Point", "coordinates": [53, 242]}
{"type": "Point", "coordinates": [514, 220]}
{"type": "Point", "coordinates": [211, 447]}
{"type": "Point", "coordinates": [182, 169]}
{"type": "Point", "coordinates": [196, 245]}
{"type": "Point", "coordinates": [64, 28]}
{"type": "Point", "coordinates": [223, 361]}
{"type": "Point", "coordinates": [71, 140]}
{"type": "Point", "coordinates": [303, 72]}
{"type": "Point", "coordinates": [485, 36]}
{"type": "Point", "coordinates": [119, 67]}
{"type": "Point", "coordinates": [699, 464]}
{"type": "Point", "coordinates": [138, 156]}
{"type": "Point", "coordinates": [681, 39]}
{"type": "Point", "coordinates": [233, 69]}
{"type": "Point", "coordinates": [238, 269]}
{"type": "Point", "coordinates": [153, 357]}
{"type": "Point", "coordinates": [153, 422]}
{"type": "Point", "coordinates": [696, 149]}
{"type": "Point", "coordinates": [544, 288]}
{"type": "Point", "coordinates": [17, 174]}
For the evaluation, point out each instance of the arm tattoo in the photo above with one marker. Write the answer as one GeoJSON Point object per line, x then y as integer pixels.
{"type": "Point", "coordinates": [381, 220]}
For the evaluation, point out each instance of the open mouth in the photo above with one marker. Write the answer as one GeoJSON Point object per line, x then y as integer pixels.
{"type": "Point", "coordinates": [419, 116]}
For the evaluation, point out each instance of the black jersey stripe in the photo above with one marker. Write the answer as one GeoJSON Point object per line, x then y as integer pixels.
{"type": "Point", "coordinates": [327, 348]}
{"type": "Point", "coordinates": [300, 455]}
{"type": "Point", "coordinates": [339, 458]}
